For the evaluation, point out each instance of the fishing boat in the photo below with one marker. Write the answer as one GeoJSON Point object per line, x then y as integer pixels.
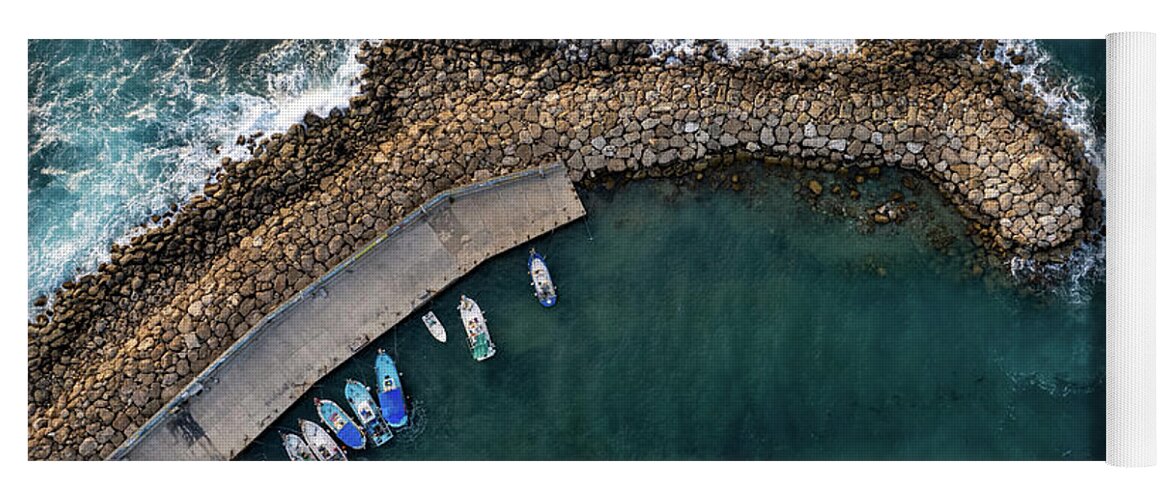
{"type": "Point", "coordinates": [543, 283]}
{"type": "Point", "coordinates": [435, 327]}
{"type": "Point", "coordinates": [358, 395]}
{"type": "Point", "coordinates": [296, 447]}
{"type": "Point", "coordinates": [320, 443]}
{"type": "Point", "coordinates": [342, 425]}
{"type": "Point", "coordinates": [390, 391]}
{"type": "Point", "coordinates": [479, 342]}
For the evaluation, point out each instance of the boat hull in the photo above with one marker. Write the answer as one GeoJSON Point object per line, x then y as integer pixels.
{"type": "Point", "coordinates": [390, 391]}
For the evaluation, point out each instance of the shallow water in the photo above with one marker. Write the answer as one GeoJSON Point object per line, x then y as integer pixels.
{"type": "Point", "coordinates": [704, 324]}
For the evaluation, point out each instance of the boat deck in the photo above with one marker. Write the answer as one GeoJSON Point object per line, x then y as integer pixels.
{"type": "Point", "coordinates": [482, 349]}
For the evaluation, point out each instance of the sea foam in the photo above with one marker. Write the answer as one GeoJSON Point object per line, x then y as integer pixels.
{"type": "Point", "coordinates": [148, 132]}
{"type": "Point", "coordinates": [1065, 93]}
{"type": "Point", "coordinates": [674, 51]}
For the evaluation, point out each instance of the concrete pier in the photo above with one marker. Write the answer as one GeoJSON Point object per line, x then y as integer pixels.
{"type": "Point", "coordinates": [228, 405]}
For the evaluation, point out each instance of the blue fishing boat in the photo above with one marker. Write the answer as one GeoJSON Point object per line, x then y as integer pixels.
{"type": "Point", "coordinates": [546, 292]}
{"type": "Point", "coordinates": [366, 411]}
{"type": "Point", "coordinates": [341, 424]}
{"type": "Point", "coordinates": [390, 391]}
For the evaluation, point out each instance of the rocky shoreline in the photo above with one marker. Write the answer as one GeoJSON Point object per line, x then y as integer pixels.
{"type": "Point", "coordinates": [115, 345]}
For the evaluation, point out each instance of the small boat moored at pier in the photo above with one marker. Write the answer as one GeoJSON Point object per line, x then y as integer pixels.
{"type": "Point", "coordinates": [296, 447]}
{"type": "Point", "coordinates": [479, 342]}
{"type": "Point", "coordinates": [546, 292]}
{"type": "Point", "coordinates": [367, 413]}
{"type": "Point", "coordinates": [319, 442]}
{"type": "Point", "coordinates": [435, 327]}
{"type": "Point", "coordinates": [390, 391]}
{"type": "Point", "coordinates": [341, 424]}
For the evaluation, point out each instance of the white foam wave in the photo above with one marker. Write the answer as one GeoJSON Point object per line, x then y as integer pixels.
{"type": "Point", "coordinates": [1062, 93]}
{"type": "Point", "coordinates": [108, 198]}
{"type": "Point", "coordinates": [1051, 366]}
{"type": "Point", "coordinates": [737, 48]}
{"type": "Point", "coordinates": [674, 51]}
{"type": "Point", "coordinates": [1053, 384]}
{"type": "Point", "coordinates": [1066, 95]}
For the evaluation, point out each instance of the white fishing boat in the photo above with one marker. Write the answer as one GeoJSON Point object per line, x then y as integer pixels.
{"type": "Point", "coordinates": [542, 282]}
{"type": "Point", "coordinates": [435, 327]}
{"type": "Point", "coordinates": [479, 342]}
{"type": "Point", "coordinates": [296, 447]}
{"type": "Point", "coordinates": [320, 443]}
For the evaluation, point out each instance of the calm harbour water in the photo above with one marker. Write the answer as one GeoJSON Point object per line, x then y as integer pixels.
{"type": "Point", "coordinates": [704, 324]}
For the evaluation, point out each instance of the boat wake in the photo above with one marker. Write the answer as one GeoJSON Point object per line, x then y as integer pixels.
{"type": "Point", "coordinates": [417, 416]}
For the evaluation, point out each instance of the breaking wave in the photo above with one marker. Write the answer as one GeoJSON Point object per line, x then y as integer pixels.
{"type": "Point", "coordinates": [1068, 93]}
{"type": "Point", "coordinates": [120, 130]}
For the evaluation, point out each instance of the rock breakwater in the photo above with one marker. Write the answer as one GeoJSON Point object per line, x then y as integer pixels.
{"type": "Point", "coordinates": [115, 345]}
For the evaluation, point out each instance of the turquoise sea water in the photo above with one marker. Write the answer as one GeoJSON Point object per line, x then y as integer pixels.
{"type": "Point", "coordinates": [705, 324]}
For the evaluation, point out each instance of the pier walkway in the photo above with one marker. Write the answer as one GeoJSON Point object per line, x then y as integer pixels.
{"type": "Point", "coordinates": [228, 405]}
